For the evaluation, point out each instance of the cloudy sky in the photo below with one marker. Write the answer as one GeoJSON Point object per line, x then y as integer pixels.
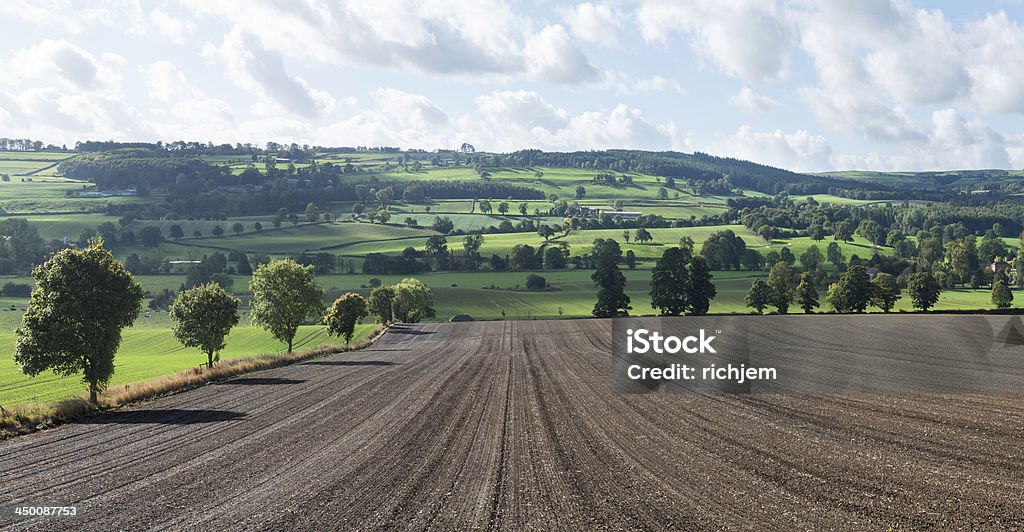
{"type": "Point", "coordinates": [806, 85]}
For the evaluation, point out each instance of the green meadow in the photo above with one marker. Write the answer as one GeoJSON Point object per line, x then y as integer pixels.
{"type": "Point", "coordinates": [145, 354]}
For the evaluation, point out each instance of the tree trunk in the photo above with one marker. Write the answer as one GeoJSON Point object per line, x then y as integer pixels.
{"type": "Point", "coordinates": [92, 393]}
{"type": "Point", "coordinates": [209, 359]}
{"type": "Point", "coordinates": [290, 338]}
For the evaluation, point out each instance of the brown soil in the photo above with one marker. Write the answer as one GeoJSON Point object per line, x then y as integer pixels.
{"type": "Point", "coordinates": [513, 426]}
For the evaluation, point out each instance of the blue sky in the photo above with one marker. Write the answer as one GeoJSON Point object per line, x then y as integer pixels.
{"type": "Point", "coordinates": [805, 85]}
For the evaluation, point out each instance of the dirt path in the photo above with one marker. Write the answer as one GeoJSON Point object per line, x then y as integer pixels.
{"type": "Point", "coordinates": [513, 426]}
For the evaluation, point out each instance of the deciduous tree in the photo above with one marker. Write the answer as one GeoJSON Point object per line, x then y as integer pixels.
{"type": "Point", "coordinates": [643, 236]}
{"type": "Point", "coordinates": [81, 302]}
{"type": "Point", "coordinates": [811, 258]}
{"type": "Point", "coordinates": [413, 301]}
{"type": "Point", "coordinates": [150, 236]}
{"type": "Point", "coordinates": [844, 231]}
{"type": "Point", "coordinates": [780, 281]}
{"type": "Point", "coordinates": [1002, 296]}
{"type": "Point", "coordinates": [759, 296]}
{"type": "Point", "coordinates": [853, 291]}
{"type": "Point", "coordinates": [611, 289]}
{"type": "Point", "coordinates": [924, 290]}
{"type": "Point", "coordinates": [472, 243]}
{"type": "Point", "coordinates": [806, 293]}
{"type": "Point", "coordinates": [835, 254]}
{"type": "Point", "coordinates": [343, 314]}
{"type": "Point", "coordinates": [702, 289]}
{"type": "Point", "coordinates": [284, 294]}
{"type": "Point", "coordinates": [670, 282]}
{"type": "Point", "coordinates": [554, 259]}
{"type": "Point", "coordinates": [202, 317]}
{"type": "Point", "coordinates": [176, 232]}
{"type": "Point", "coordinates": [380, 303]}
{"type": "Point", "coordinates": [885, 291]}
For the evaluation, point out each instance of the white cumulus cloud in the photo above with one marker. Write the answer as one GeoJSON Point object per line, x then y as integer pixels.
{"type": "Point", "coordinates": [262, 72]}
{"type": "Point", "coordinates": [595, 23]}
{"type": "Point", "coordinates": [800, 150]}
{"type": "Point", "coordinates": [750, 101]}
{"type": "Point", "coordinates": [749, 39]}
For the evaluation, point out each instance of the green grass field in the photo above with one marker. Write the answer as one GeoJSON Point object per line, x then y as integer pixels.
{"type": "Point", "coordinates": [59, 205]}
{"type": "Point", "coordinates": [57, 226]}
{"type": "Point", "coordinates": [20, 188]}
{"type": "Point", "coordinates": [146, 354]}
{"type": "Point", "coordinates": [311, 237]}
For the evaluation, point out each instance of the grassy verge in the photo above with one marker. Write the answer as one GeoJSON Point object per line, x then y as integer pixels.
{"type": "Point", "coordinates": [33, 417]}
{"type": "Point", "coordinates": [148, 351]}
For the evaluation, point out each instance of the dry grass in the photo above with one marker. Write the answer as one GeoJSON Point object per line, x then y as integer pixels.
{"type": "Point", "coordinates": [30, 418]}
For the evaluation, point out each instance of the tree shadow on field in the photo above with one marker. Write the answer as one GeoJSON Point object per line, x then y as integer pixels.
{"type": "Point", "coordinates": [414, 332]}
{"type": "Point", "coordinates": [256, 381]}
{"type": "Point", "coordinates": [171, 416]}
{"type": "Point", "coordinates": [349, 363]}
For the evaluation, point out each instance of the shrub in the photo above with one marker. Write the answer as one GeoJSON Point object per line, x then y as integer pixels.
{"type": "Point", "coordinates": [16, 290]}
{"type": "Point", "coordinates": [536, 282]}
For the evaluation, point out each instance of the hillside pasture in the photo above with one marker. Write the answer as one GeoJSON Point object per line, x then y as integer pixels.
{"type": "Point", "coordinates": [308, 237]}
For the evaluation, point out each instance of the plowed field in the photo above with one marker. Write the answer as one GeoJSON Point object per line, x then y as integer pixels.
{"type": "Point", "coordinates": [513, 426]}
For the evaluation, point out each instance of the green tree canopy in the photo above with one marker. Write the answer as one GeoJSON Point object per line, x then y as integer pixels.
{"type": "Point", "coordinates": [924, 290]}
{"type": "Point", "coordinates": [885, 291]}
{"type": "Point", "coordinates": [343, 314]}
{"type": "Point", "coordinates": [175, 232]}
{"type": "Point", "coordinates": [380, 302]}
{"type": "Point", "coordinates": [844, 231]}
{"type": "Point", "coordinates": [536, 282]}
{"type": "Point", "coordinates": [1002, 296]}
{"type": "Point", "coordinates": [202, 317]}
{"type": "Point", "coordinates": [853, 291]}
{"type": "Point", "coordinates": [437, 245]}
{"type": "Point", "coordinates": [554, 258]}
{"type": "Point", "coordinates": [759, 296]}
{"type": "Point", "coordinates": [806, 293]}
{"type": "Point", "coordinates": [871, 231]}
{"type": "Point", "coordinates": [780, 281]}
{"type": "Point", "coordinates": [312, 212]}
{"type": "Point", "coordinates": [284, 294]}
{"type": "Point", "coordinates": [670, 280]}
{"type": "Point", "coordinates": [701, 289]}
{"type": "Point", "coordinates": [643, 236]}
{"type": "Point", "coordinates": [958, 262]}
{"type": "Point", "coordinates": [81, 302]}
{"type": "Point", "coordinates": [811, 258]}
{"type": "Point", "coordinates": [611, 289]}
{"type": "Point", "coordinates": [835, 254]}
{"type": "Point", "coordinates": [724, 250]}
{"type": "Point", "coordinates": [472, 243]}
{"type": "Point", "coordinates": [150, 236]}
{"type": "Point", "coordinates": [413, 301]}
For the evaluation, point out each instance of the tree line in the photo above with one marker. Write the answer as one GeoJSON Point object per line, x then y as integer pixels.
{"type": "Point", "coordinates": [681, 282]}
{"type": "Point", "coordinates": [84, 298]}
